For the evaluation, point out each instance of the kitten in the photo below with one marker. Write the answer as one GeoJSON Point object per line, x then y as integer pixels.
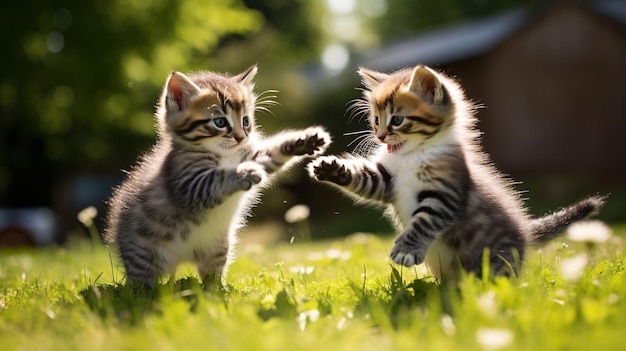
{"type": "Point", "coordinates": [429, 172]}
{"type": "Point", "coordinates": [186, 198]}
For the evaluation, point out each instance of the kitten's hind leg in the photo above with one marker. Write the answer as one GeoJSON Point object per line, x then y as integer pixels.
{"type": "Point", "coordinates": [212, 265]}
{"type": "Point", "coordinates": [504, 261]}
{"type": "Point", "coordinates": [141, 264]}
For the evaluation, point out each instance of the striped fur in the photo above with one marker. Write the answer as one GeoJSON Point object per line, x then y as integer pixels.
{"type": "Point", "coordinates": [427, 170]}
{"type": "Point", "coordinates": [186, 198]}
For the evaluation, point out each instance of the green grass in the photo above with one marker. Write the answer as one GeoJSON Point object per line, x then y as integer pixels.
{"type": "Point", "coordinates": [335, 295]}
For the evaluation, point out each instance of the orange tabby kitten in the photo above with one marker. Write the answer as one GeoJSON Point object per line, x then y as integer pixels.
{"type": "Point", "coordinates": [427, 169]}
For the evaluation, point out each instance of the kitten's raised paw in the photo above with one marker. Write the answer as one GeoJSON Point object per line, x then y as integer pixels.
{"type": "Point", "coordinates": [314, 141]}
{"type": "Point", "coordinates": [330, 169]}
{"type": "Point", "coordinates": [406, 255]}
{"type": "Point", "coordinates": [250, 173]}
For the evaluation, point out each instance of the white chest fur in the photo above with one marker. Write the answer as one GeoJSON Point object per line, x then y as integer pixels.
{"type": "Point", "coordinates": [217, 229]}
{"type": "Point", "coordinates": [407, 184]}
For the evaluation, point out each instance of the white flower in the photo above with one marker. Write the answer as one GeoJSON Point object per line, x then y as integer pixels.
{"type": "Point", "coordinates": [591, 232]}
{"type": "Point", "coordinates": [306, 317]}
{"type": "Point", "coordinates": [297, 213]}
{"type": "Point", "coordinates": [308, 270]}
{"type": "Point", "coordinates": [487, 303]}
{"type": "Point", "coordinates": [87, 215]}
{"type": "Point", "coordinates": [335, 254]}
{"type": "Point", "coordinates": [341, 324]}
{"type": "Point", "coordinates": [494, 339]}
{"type": "Point", "coordinates": [572, 268]}
{"type": "Point", "coordinates": [447, 323]}
{"type": "Point", "coordinates": [49, 312]}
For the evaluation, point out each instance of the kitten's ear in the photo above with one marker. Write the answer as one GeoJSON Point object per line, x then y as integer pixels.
{"type": "Point", "coordinates": [370, 78]}
{"type": "Point", "coordinates": [425, 84]}
{"type": "Point", "coordinates": [178, 92]}
{"type": "Point", "coordinates": [246, 76]}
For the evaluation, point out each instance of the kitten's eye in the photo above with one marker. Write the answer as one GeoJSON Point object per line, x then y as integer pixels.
{"type": "Point", "coordinates": [396, 120]}
{"type": "Point", "coordinates": [376, 121]}
{"type": "Point", "coordinates": [220, 122]}
{"type": "Point", "coordinates": [245, 121]}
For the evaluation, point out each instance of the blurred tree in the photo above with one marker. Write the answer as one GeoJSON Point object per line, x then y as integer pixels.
{"type": "Point", "coordinates": [80, 80]}
{"type": "Point", "coordinates": [293, 26]}
{"type": "Point", "coordinates": [290, 39]}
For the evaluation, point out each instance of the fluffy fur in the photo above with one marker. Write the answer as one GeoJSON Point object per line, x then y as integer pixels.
{"type": "Point", "coordinates": [425, 166]}
{"type": "Point", "coordinates": [186, 198]}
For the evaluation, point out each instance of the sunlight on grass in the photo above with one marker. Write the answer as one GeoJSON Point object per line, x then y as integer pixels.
{"type": "Point", "coordinates": [336, 295]}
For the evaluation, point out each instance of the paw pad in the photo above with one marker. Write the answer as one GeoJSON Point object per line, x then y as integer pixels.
{"type": "Point", "coordinates": [332, 171]}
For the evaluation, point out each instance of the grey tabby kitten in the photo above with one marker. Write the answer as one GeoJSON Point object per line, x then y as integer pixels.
{"type": "Point", "coordinates": [427, 169]}
{"type": "Point", "coordinates": [186, 198]}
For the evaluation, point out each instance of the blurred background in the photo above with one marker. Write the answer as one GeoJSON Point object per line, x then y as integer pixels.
{"type": "Point", "coordinates": [80, 80]}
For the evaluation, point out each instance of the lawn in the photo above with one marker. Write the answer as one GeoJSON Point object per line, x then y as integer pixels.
{"type": "Point", "coordinates": [334, 295]}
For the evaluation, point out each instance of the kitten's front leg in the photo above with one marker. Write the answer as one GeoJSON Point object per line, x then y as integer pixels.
{"type": "Point", "coordinates": [331, 169]}
{"type": "Point", "coordinates": [428, 223]}
{"type": "Point", "coordinates": [249, 174]}
{"type": "Point", "coordinates": [437, 210]}
{"type": "Point", "coordinates": [311, 141]}
{"type": "Point", "coordinates": [409, 248]}
{"type": "Point", "coordinates": [361, 177]}
{"type": "Point", "coordinates": [287, 146]}
{"type": "Point", "coordinates": [199, 186]}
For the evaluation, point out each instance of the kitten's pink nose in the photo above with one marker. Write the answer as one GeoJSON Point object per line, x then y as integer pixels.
{"type": "Point", "coordinates": [381, 135]}
{"type": "Point", "coordinates": [239, 137]}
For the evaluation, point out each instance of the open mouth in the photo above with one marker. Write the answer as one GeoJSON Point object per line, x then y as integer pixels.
{"type": "Point", "coordinates": [391, 148]}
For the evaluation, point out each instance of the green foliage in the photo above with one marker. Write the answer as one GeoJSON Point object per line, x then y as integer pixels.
{"type": "Point", "coordinates": [82, 79]}
{"type": "Point", "coordinates": [342, 294]}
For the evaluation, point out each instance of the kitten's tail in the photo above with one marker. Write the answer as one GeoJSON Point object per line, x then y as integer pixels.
{"type": "Point", "coordinates": [552, 225]}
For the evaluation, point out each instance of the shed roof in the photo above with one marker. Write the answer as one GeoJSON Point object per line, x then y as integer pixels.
{"type": "Point", "coordinates": [468, 39]}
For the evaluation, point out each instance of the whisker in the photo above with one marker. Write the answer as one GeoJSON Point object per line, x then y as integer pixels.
{"type": "Point", "coordinates": [357, 132]}
{"type": "Point", "coordinates": [264, 100]}
{"type": "Point", "coordinates": [270, 91]}
{"type": "Point", "coordinates": [264, 109]}
{"type": "Point", "coordinates": [366, 147]}
{"type": "Point", "coordinates": [264, 96]}
{"type": "Point", "coordinates": [357, 108]}
{"type": "Point", "coordinates": [267, 102]}
{"type": "Point", "coordinates": [359, 139]}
